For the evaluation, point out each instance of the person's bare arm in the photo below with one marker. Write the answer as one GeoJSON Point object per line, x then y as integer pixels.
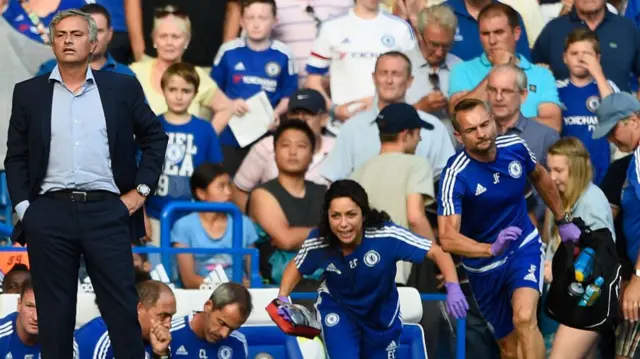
{"type": "Point", "coordinates": [453, 241]}
{"type": "Point", "coordinates": [223, 109]}
{"type": "Point", "coordinates": [315, 82]}
{"type": "Point", "coordinates": [416, 217]}
{"type": "Point", "coordinates": [544, 185]}
{"type": "Point", "coordinates": [266, 211]}
{"type": "Point", "coordinates": [231, 21]}
{"type": "Point", "coordinates": [290, 279]}
{"type": "Point", "coordinates": [550, 114]}
{"type": "Point", "coordinates": [187, 270]}
{"type": "Point", "coordinates": [133, 17]}
{"type": "Point", "coordinates": [444, 262]}
{"type": "Point", "coordinates": [239, 197]}
{"type": "Point", "coordinates": [479, 92]}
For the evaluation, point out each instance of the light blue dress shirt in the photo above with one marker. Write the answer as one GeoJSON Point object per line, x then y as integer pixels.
{"type": "Point", "coordinates": [542, 88]}
{"type": "Point", "coordinates": [79, 153]}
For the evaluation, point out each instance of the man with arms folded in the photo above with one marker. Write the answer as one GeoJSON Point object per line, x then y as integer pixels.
{"type": "Point", "coordinates": [156, 308]}
{"type": "Point", "coordinates": [499, 32]}
{"type": "Point", "coordinates": [213, 333]}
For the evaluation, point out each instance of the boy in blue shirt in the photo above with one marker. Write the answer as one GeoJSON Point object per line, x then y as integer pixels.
{"type": "Point", "coordinates": [156, 308]}
{"type": "Point", "coordinates": [19, 330]}
{"type": "Point", "coordinates": [192, 141]}
{"type": "Point", "coordinates": [247, 65]}
{"type": "Point", "coordinates": [581, 94]}
{"type": "Point", "coordinates": [213, 333]}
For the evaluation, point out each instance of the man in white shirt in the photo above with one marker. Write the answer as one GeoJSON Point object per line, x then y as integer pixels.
{"type": "Point", "coordinates": [348, 47]}
{"type": "Point", "coordinates": [359, 139]}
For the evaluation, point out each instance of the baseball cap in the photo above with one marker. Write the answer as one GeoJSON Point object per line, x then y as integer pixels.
{"type": "Point", "coordinates": [397, 117]}
{"type": "Point", "coordinates": [613, 109]}
{"type": "Point", "coordinates": [309, 100]}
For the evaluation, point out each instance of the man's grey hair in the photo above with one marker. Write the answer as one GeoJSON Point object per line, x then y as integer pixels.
{"type": "Point", "coordinates": [232, 293]}
{"type": "Point", "coordinates": [439, 14]}
{"type": "Point", "coordinates": [93, 27]}
{"type": "Point", "coordinates": [521, 77]}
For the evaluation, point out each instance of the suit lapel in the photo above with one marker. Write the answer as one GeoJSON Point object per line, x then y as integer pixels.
{"type": "Point", "coordinates": [108, 99]}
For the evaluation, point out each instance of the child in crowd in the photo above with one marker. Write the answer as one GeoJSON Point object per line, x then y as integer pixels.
{"type": "Point", "coordinates": [250, 64]}
{"type": "Point", "coordinates": [581, 94]}
{"type": "Point", "coordinates": [192, 141]}
{"type": "Point", "coordinates": [210, 183]}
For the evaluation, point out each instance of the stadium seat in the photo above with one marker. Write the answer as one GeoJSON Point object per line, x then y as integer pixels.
{"type": "Point", "coordinates": [412, 343]}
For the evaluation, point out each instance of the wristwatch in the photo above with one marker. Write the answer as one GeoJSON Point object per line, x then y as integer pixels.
{"type": "Point", "coordinates": [143, 190]}
{"type": "Point", "coordinates": [568, 218]}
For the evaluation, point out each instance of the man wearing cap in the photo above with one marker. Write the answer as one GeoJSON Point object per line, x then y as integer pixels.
{"type": "Point", "coordinates": [260, 165]}
{"type": "Point", "coordinates": [405, 194]}
{"type": "Point", "coordinates": [619, 121]}
{"type": "Point", "coordinates": [358, 140]}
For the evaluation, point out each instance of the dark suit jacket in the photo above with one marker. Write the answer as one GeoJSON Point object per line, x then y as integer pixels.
{"type": "Point", "coordinates": [129, 120]}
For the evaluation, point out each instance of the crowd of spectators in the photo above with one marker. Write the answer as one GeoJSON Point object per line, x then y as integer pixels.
{"type": "Point", "coordinates": [328, 68]}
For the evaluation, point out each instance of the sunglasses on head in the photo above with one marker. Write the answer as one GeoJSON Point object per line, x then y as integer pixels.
{"type": "Point", "coordinates": [164, 12]}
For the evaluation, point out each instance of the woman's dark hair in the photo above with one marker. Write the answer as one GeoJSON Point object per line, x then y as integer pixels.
{"type": "Point", "coordinates": [203, 175]}
{"type": "Point", "coordinates": [372, 218]}
{"type": "Point", "coordinates": [295, 124]}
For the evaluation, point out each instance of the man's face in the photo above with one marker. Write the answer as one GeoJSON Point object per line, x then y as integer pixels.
{"type": "Point", "coordinates": [14, 282]}
{"type": "Point", "coordinates": [392, 78]}
{"type": "Point", "coordinates": [437, 41]}
{"type": "Point", "coordinates": [504, 96]}
{"type": "Point", "coordinates": [626, 134]}
{"type": "Point", "coordinates": [496, 34]}
{"type": "Point", "coordinates": [590, 6]}
{"type": "Point", "coordinates": [105, 33]}
{"type": "Point", "coordinates": [161, 312]}
{"type": "Point", "coordinates": [574, 55]}
{"type": "Point", "coordinates": [477, 130]}
{"type": "Point", "coordinates": [219, 323]}
{"type": "Point", "coordinates": [315, 121]}
{"type": "Point", "coordinates": [27, 313]}
{"type": "Point", "coordinates": [258, 20]}
{"type": "Point", "coordinates": [71, 43]}
{"type": "Point", "coordinates": [293, 152]}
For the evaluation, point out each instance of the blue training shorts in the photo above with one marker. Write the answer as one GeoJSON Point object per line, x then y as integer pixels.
{"type": "Point", "coordinates": [493, 290]}
{"type": "Point", "coordinates": [345, 337]}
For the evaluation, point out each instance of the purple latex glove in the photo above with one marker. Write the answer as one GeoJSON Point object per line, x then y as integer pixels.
{"type": "Point", "coordinates": [569, 232]}
{"type": "Point", "coordinates": [505, 237]}
{"type": "Point", "coordinates": [456, 302]}
{"type": "Point", "coordinates": [281, 311]}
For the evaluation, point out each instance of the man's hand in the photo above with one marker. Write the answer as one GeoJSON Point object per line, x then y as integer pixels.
{"type": "Point", "coordinates": [631, 300]}
{"type": "Point", "coordinates": [501, 57]}
{"type": "Point", "coordinates": [160, 338]}
{"type": "Point", "coordinates": [347, 110]}
{"type": "Point", "coordinates": [591, 63]}
{"type": "Point", "coordinates": [239, 107]}
{"type": "Point", "coordinates": [133, 200]}
{"type": "Point", "coordinates": [433, 102]}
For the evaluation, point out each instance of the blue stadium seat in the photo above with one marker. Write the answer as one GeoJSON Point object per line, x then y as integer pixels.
{"type": "Point", "coordinates": [271, 340]}
{"type": "Point", "coordinates": [6, 212]}
{"type": "Point", "coordinates": [412, 344]}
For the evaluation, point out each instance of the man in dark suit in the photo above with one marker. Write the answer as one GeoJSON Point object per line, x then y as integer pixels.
{"type": "Point", "coordinates": [72, 173]}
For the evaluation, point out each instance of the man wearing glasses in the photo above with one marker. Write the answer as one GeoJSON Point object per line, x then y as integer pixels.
{"type": "Point", "coordinates": [432, 63]}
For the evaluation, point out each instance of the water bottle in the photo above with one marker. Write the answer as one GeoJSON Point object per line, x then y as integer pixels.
{"type": "Point", "coordinates": [584, 264]}
{"type": "Point", "coordinates": [592, 293]}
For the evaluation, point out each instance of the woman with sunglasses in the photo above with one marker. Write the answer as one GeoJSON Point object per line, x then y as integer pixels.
{"type": "Point", "coordinates": [358, 248]}
{"type": "Point", "coordinates": [571, 171]}
{"type": "Point", "coordinates": [170, 35]}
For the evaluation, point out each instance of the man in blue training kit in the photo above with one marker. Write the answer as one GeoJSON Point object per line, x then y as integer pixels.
{"type": "Point", "coordinates": [213, 333]}
{"type": "Point", "coordinates": [482, 216]}
{"type": "Point", "coordinates": [19, 330]}
{"type": "Point", "coordinates": [156, 308]}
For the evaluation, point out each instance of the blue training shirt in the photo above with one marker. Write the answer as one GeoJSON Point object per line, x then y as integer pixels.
{"type": "Point", "coordinates": [630, 204]}
{"type": "Point", "coordinates": [364, 281]}
{"type": "Point", "coordinates": [580, 118]}
{"type": "Point", "coordinates": [241, 72]}
{"type": "Point", "coordinates": [186, 344]}
{"type": "Point", "coordinates": [92, 341]}
{"type": "Point", "coordinates": [489, 196]}
{"type": "Point", "coordinates": [10, 344]}
{"type": "Point", "coordinates": [190, 145]}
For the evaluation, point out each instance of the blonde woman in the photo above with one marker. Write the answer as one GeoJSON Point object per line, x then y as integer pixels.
{"type": "Point", "coordinates": [171, 34]}
{"type": "Point", "coordinates": [570, 169]}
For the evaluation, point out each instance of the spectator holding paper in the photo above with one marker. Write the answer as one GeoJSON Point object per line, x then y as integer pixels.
{"type": "Point", "coordinates": [252, 64]}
